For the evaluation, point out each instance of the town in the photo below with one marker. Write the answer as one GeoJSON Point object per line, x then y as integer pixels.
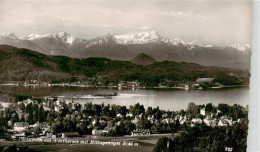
{"type": "Point", "coordinates": [53, 118]}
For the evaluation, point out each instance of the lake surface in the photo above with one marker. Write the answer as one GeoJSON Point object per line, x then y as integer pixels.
{"type": "Point", "coordinates": [166, 99]}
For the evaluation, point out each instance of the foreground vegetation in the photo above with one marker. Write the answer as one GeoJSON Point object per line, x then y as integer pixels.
{"type": "Point", "coordinates": [203, 138]}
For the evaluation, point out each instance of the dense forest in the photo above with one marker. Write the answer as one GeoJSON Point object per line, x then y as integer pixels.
{"type": "Point", "coordinates": [24, 65]}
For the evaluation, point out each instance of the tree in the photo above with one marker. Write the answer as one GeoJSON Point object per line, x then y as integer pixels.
{"type": "Point", "coordinates": [113, 112]}
{"type": "Point", "coordinates": [106, 111]}
{"type": "Point", "coordinates": [22, 97]}
{"type": "Point", "coordinates": [77, 107]}
{"type": "Point", "coordinates": [149, 111]}
{"type": "Point", "coordinates": [123, 110]}
{"type": "Point", "coordinates": [2, 124]}
{"type": "Point", "coordinates": [209, 107]}
{"type": "Point", "coordinates": [16, 117]}
{"type": "Point", "coordinates": [37, 130]}
{"type": "Point", "coordinates": [164, 144]}
{"type": "Point", "coordinates": [224, 108]}
{"type": "Point", "coordinates": [1, 107]}
{"type": "Point", "coordinates": [41, 114]}
{"type": "Point", "coordinates": [121, 130]}
{"type": "Point", "coordinates": [236, 112]}
{"type": "Point", "coordinates": [56, 127]}
{"type": "Point", "coordinates": [177, 124]}
{"type": "Point", "coordinates": [144, 124]}
{"type": "Point", "coordinates": [97, 109]}
{"type": "Point", "coordinates": [138, 109]}
{"type": "Point", "coordinates": [129, 126]}
{"type": "Point", "coordinates": [192, 108]}
{"type": "Point", "coordinates": [157, 113]}
{"type": "Point", "coordinates": [82, 127]}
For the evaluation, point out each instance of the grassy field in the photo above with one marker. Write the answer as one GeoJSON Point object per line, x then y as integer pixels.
{"type": "Point", "coordinates": [89, 148]}
{"type": "Point", "coordinates": [145, 144]}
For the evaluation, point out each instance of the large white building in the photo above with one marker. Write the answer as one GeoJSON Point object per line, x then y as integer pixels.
{"type": "Point", "coordinates": [141, 132]}
{"type": "Point", "coordinates": [210, 122]}
{"type": "Point", "coordinates": [98, 132]}
{"type": "Point", "coordinates": [196, 120]}
{"type": "Point", "coordinates": [203, 111]}
{"type": "Point", "coordinates": [21, 126]}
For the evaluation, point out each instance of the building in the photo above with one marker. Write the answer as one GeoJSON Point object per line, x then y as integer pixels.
{"type": "Point", "coordinates": [203, 80]}
{"type": "Point", "coordinates": [135, 121]}
{"type": "Point", "coordinates": [218, 112]}
{"type": "Point", "coordinates": [167, 120]}
{"type": "Point", "coordinates": [222, 123]}
{"type": "Point", "coordinates": [21, 126]}
{"type": "Point", "coordinates": [129, 115]}
{"type": "Point", "coordinates": [25, 102]}
{"type": "Point", "coordinates": [119, 115]}
{"type": "Point", "coordinates": [45, 127]}
{"type": "Point", "coordinates": [19, 136]}
{"type": "Point", "coordinates": [102, 122]}
{"type": "Point", "coordinates": [225, 120]}
{"type": "Point", "coordinates": [210, 122]}
{"type": "Point", "coordinates": [195, 85]}
{"type": "Point", "coordinates": [133, 84]}
{"type": "Point", "coordinates": [141, 132]}
{"type": "Point", "coordinates": [94, 122]}
{"type": "Point", "coordinates": [203, 111]}
{"type": "Point", "coordinates": [196, 120]}
{"type": "Point", "coordinates": [69, 134]}
{"type": "Point", "coordinates": [33, 81]}
{"type": "Point", "coordinates": [182, 121]}
{"type": "Point", "coordinates": [98, 132]}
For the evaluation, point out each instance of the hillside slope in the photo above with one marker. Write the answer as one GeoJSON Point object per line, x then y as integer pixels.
{"type": "Point", "coordinates": [143, 59]}
{"type": "Point", "coordinates": [23, 65]}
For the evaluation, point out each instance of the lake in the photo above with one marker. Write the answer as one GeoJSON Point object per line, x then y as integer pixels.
{"type": "Point", "coordinates": [167, 99]}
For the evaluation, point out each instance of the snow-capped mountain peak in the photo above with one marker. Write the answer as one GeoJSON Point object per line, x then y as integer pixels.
{"type": "Point", "coordinates": [241, 47]}
{"type": "Point", "coordinates": [178, 41]}
{"type": "Point", "coordinates": [31, 37]}
{"type": "Point", "coordinates": [9, 35]}
{"type": "Point", "coordinates": [139, 38]}
{"type": "Point", "coordinates": [65, 37]}
{"type": "Point", "coordinates": [112, 39]}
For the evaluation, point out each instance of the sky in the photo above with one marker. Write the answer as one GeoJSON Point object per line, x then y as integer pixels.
{"type": "Point", "coordinates": [217, 22]}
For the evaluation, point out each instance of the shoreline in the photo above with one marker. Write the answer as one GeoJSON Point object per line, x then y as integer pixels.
{"type": "Point", "coordinates": [233, 86]}
{"type": "Point", "coordinates": [120, 87]}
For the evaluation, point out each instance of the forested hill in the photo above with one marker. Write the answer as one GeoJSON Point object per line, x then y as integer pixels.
{"type": "Point", "coordinates": [24, 65]}
{"type": "Point", "coordinates": [143, 59]}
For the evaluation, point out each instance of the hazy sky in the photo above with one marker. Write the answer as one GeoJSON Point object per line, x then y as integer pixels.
{"type": "Point", "coordinates": [205, 21]}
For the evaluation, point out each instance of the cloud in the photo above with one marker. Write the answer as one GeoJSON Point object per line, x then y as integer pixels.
{"type": "Point", "coordinates": [107, 11]}
{"type": "Point", "coordinates": [145, 27]}
{"type": "Point", "coordinates": [187, 15]}
{"type": "Point", "coordinates": [70, 19]}
{"type": "Point", "coordinates": [209, 22]}
{"type": "Point", "coordinates": [175, 14]}
{"type": "Point", "coordinates": [109, 25]}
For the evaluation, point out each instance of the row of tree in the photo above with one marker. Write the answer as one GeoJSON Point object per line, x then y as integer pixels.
{"type": "Point", "coordinates": [203, 138]}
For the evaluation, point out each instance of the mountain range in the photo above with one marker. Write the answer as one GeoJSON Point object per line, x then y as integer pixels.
{"type": "Point", "coordinates": [126, 47]}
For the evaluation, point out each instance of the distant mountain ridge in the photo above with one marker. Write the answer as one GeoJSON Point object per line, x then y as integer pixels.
{"type": "Point", "coordinates": [24, 65]}
{"type": "Point", "coordinates": [127, 46]}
